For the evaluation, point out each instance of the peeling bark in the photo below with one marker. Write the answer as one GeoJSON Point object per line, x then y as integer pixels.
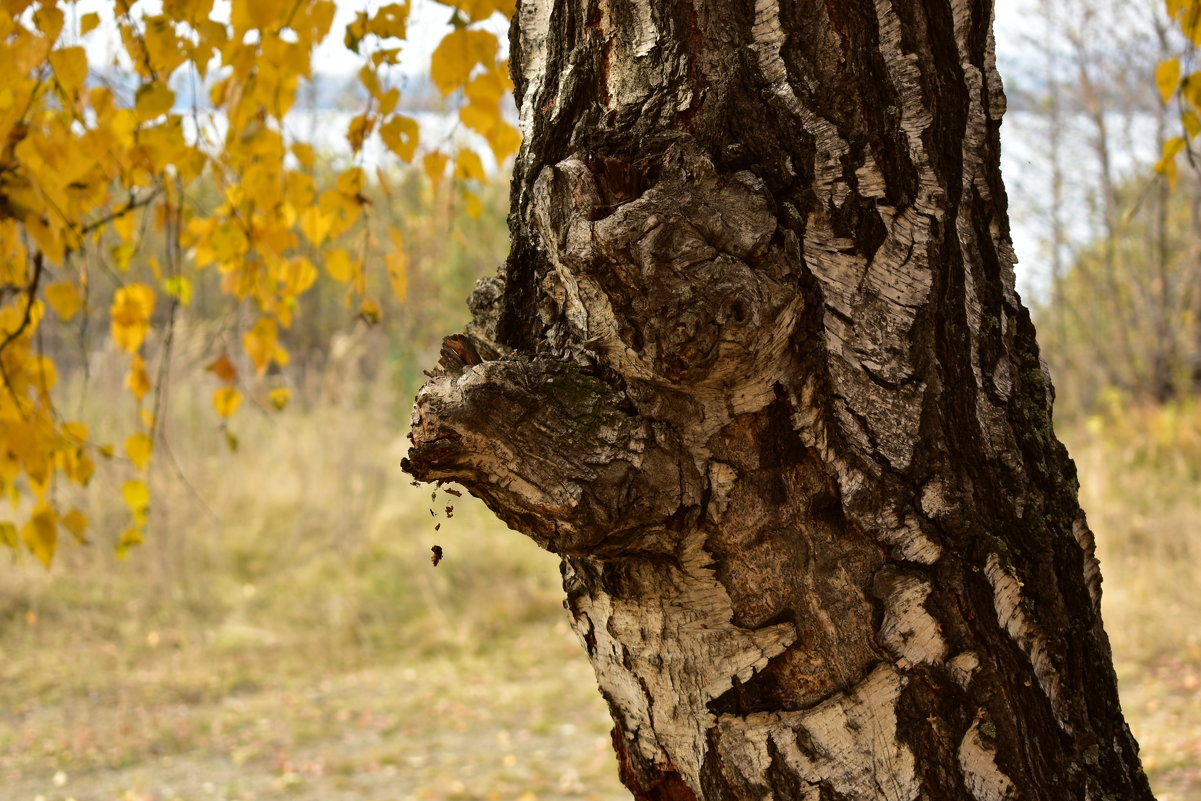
{"type": "Point", "coordinates": [756, 369]}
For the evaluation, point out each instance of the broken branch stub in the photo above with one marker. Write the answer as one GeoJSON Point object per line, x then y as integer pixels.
{"type": "Point", "coordinates": [669, 306]}
{"type": "Point", "coordinates": [554, 451]}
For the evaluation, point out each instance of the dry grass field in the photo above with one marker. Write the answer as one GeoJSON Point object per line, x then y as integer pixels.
{"type": "Point", "coordinates": [283, 633]}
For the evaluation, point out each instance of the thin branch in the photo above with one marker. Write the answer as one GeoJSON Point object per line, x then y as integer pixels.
{"type": "Point", "coordinates": [165, 446]}
{"type": "Point", "coordinates": [31, 293]}
{"type": "Point", "coordinates": [130, 205]}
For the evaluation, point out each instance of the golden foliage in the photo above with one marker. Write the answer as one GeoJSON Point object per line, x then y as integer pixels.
{"type": "Point", "coordinates": [95, 174]}
{"type": "Point", "coordinates": [1174, 84]}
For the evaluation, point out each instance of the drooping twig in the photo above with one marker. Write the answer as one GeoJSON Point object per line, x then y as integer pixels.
{"type": "Point", "coordinates": [130, 205]}
{"type": "Point", "coordinates": [31, 294]}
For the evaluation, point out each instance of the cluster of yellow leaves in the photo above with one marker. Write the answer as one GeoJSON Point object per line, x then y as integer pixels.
{"type": "Point", "coordinates": [1172, 83]}
{"type": "Point", "coordinates": [466, 61]}
{"type": "Point", "coordinates": [88, 167]}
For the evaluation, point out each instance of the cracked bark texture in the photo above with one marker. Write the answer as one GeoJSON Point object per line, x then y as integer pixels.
{"type": "Point", "coordinates": [755, 368]}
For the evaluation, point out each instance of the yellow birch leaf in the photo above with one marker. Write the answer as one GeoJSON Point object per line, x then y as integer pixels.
{"type": "Point", "coordinates": [482, 9]}
{"type": "Point", "coordinates": [105, 450]}
{"type": "Point", "coordinates": [280, 397]}
{"type": "Point", "coordinates": [49, 20]}
{"type": "Point", "coordinates": [300, 189]}
{"type": "Point", "coordinates": [45, 371]}
{"type": "Point", "coordinates": [138, 448]}
{"type": "Point", "coordinates": [49, 238]}
{"type": "Point", "coordinates": [370, 80]}
{"type": "Point", "coordinates": [137, 381]}
{"type": "Point", "coordinates": [472, 205]}
{"type": "Point", "coordinates": [76, 432]}
{"type": "Point", "coordinates": [434, 165]}
{"type": "Point", "coordinates": [339, 266]}
{"type": "Point", "coordinates": [130, 538]}
{"type": "Point", "coordinates": [136, 494]}
{"type": "Point", "coordinates": [8, 535]}
{"type": "Point", "coordinates": [315, 223]}
{"type": "Point", "coordinates": [179, 287]}
{"type": "Point", "coordinates": [1171, 170]}
{"type": "Point", "coordinates": [226, 400]}
{"type": "Point", "coordinates": [400, 135]}
{"type": "Point", "coordinates": [350, 182]}
{"type": "Point", "coordinates": [1190, 22]}
{"type": "Point", "coordinates": [1190, 89]}
{"type": "Point", "coordinates": [370, 311]}
{"type": "Point", "coordinates": [304, 154]}
{"type": "Point", "coordinates": [64, 298]}
{"type": "Point", "coordinates": [1191, 122]}
{"type": "Point", "coordinates": [458, 54]}
{"type": "Point", "coordinates": [299, 276]}
{"type": "Point", "coordinates": [355, 31]}
{"type": "Point", "coordinates": [1167, 163]}
{"type": "Point", "coordinates": [123, 255]}
{"type": "Point", "coordinates": [504, 141]}
{"type": "Point", "coordinates": [126, 225]}
{"type": "Point", "coordinates": [1173, 146]}
{"type": "Point", "coordinates": [80, 469]}
{"type": "Point", "coordinates": [70, 66]}
{"type": "Point", "coordinates": [76, 522]}
{"type": "Point", "coordinates": [388, 55]}
{"type": "Point", "coordinates": [388, 101]}
{"type": "Point", "coordinates": [358, 130]}
{"type": "Point", "coordinates": [41, 533]}
{"type": "Point", "coordinates": [137, 499]}
{"type": "Point", "coordinates": [390, 21]}
{"type": "Point", "coordinates": [132, 306]}
{"type": "Point", "coordinates": [397, 263]}
{"type": "Point", "coordinates": [224, 369]}
{"type": "Point", "coordinates": [344, 210]}
{"type": "Point", "coordinates": [480, 117]}
{"type": "Point", "coordinates": [152, 100]}
{"type": "Point", "coordinates": [88, 23]}
{"type": "Point", "coordinates": [487, 88]}
{"type": "Point", "coordinates": [1167, 78]}
{"type": "Point", "coordinates": [259, 343]}
{"type": "Point", "coordinates": [256, 13]}
{"type": "Point", "coordinates": [468, 165]}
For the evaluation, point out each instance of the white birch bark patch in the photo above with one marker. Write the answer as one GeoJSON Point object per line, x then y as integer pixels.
{"type": "Point", "coordinates": [1007, 599]}
{"type": "Point", "coordinates": [977, 759]}
{"type": "Point", "coordinates": [849, 742]}
{"type": "Point", "coordinates": [660, 661]}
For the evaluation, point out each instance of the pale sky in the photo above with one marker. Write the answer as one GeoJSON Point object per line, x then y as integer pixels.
{"type": "Point", "coordinates": [428, 23]}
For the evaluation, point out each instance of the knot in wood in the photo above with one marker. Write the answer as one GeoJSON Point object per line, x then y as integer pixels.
{"type": "Point", "coordinates": [557, 453]}
{"type": "Point", "coordinates": [675, 275]}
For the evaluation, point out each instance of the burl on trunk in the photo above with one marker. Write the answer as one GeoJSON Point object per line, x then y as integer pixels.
{"type": "Point", "coordinates": [756, 370]}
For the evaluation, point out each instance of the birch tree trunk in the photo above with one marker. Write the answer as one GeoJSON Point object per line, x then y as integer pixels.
{"type": "Point", "coordinates": [755, 368]}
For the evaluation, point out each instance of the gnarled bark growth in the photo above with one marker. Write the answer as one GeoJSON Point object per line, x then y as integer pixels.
{"type": "Point", "coordinates": [756, 369]}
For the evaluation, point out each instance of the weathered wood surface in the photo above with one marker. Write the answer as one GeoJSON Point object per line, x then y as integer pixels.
{"type": "Point", "coordinates": [756, 369]}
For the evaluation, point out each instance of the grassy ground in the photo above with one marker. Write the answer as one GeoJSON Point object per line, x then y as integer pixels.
{"type": "Point", "coordinates": [283, 634]}
{"type": "Point", "coordinates": [1140, 474]}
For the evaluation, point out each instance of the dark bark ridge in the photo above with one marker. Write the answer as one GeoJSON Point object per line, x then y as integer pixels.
{"type": "Point", "coordinates": [756, 369]}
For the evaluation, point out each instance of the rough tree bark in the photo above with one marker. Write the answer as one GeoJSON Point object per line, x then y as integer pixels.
{"type": "Point", "coordinates": [755, 368]}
